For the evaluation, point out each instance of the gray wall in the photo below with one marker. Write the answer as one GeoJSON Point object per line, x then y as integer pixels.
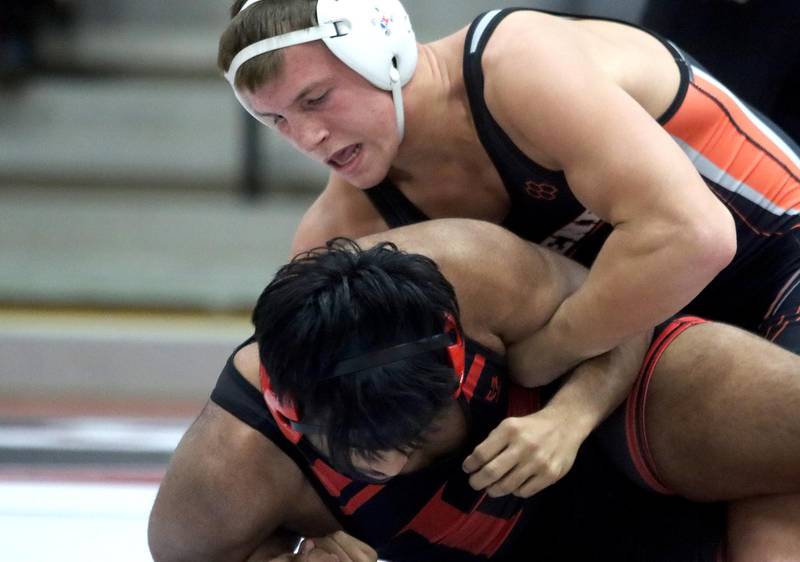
{"type": "Point", "coordinates": [148, 107]}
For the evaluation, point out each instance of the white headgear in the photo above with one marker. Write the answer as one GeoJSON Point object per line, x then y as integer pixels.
{"type": "Point", "coordinates": [373, 37]}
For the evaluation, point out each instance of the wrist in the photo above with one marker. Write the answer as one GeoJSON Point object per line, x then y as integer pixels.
{"type": "Point", "coordinates": [576, 418]}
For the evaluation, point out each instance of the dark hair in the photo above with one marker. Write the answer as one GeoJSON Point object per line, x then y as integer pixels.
{"type": "Point", "coordinates": [341, 301]}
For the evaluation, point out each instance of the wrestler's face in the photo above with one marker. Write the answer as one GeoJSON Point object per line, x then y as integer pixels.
{"type": "Point", "coordinates": [446, 435]}
{"type": "Point", "coordinates": [330, 113]}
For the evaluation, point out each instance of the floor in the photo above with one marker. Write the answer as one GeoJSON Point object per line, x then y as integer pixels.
{"type": "Point", "coordinates": [118, 308]}
{"type": "Point", "coordinates": [80, 488]}
{"type": "Point", "coordinates": [87, 430]}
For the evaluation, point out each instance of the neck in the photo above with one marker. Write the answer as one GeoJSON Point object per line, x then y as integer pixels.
{"type": "Point", "coordinates": [437, 122]}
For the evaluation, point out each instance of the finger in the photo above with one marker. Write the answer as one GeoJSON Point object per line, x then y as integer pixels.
{"type": "Point", "coordinates": [329, 545]}
{"type": "Point", "coordinates": [357, 550]}
{"type": "Point", "coordinates": [485, 451]}
{"type": "Point", "coordinates": [534, 485]}
{"type": "Point", "coordinates": [308, 552]}
{"type": "Point", "coordinates": [512, 481]}
{"type": "Point", "coordinates": [494, 470]}
{"type": "Point", "coordinates": [319, 555]}
{"type": "Point", "coordinates": [306, 546]}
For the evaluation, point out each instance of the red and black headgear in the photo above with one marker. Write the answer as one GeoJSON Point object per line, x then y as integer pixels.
{"type": "Point", "coordinates": [289, 418]}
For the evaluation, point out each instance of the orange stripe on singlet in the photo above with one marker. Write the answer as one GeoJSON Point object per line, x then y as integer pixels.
{"type": "Point", "coordinates": [711, 122]}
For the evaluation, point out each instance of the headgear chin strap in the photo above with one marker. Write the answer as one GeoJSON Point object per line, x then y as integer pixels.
{"type": "Point", "coordinates": [373, 37]}
{"type": "Point", "coordinates": [288, 417]}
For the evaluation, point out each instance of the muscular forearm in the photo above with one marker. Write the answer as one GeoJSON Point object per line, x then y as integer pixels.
{"type": "Point", "coordinates": [596, 387]}
{"type": "Point", "coordinates": [641, 277]}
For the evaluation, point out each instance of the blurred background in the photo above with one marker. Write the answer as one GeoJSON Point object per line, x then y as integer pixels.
{"type": "Point", "coordinates": [141, 213]}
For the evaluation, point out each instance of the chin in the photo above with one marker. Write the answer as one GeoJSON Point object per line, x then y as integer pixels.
{"type": "Point", "coordinates": [367, 178]}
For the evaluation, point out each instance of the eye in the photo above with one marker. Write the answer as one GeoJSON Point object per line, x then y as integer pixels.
{"type": "Point", "coordinates": [317, 101]}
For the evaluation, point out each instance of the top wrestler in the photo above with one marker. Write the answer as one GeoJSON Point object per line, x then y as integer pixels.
{"type": "Point", "coordinates": [592, 137]}
{"type": "Point", "coordinates": [360, 353]}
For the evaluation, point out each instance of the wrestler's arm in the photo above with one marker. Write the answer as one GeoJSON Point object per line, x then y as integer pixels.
{"type": "Point", "coordinates": [529, 293]}
{"type": "Point", "coordinates": [671, 235]}
{"type": "Point", "coordinates": [340, 210]}
{"type": "Point", "coordinates": [508, 289]}
{"type": "Point", "coordinates": [223, 496]}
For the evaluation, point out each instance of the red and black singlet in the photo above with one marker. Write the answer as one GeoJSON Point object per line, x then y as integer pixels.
{"type": "Point", "coordinates": [430, 514]}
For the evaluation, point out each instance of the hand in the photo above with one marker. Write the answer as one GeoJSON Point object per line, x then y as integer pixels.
{"type": "Point", "coordinates": [524, 455]}
{"type": "Point", "coordinates": [336, 547]}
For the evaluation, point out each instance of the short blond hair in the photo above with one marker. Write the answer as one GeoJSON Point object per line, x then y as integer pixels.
{"type": "Point", "coordinates": [264, 19]}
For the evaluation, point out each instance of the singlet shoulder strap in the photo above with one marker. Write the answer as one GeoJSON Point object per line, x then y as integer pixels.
{"type": "Point", "coordinates": [481, 30]}
{"type": "Point", "coordinates": [478, 35]}
{"type": "Point", "coordinates": [395, 208]}
{"type": "Point", "coordinates": [234, 394]}
{"type": "Point", "coordinates": [237, 396]}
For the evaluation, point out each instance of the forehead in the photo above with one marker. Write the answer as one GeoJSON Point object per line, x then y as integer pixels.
{"type": "Point", "coordinates": [303, 65]}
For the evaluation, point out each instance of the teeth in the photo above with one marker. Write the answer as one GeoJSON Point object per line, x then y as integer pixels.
{"type": "Point", "coordinates": [349, 156]}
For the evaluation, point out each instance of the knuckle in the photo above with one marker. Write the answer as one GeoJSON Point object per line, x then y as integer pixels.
{"type": "Point", "coordinates": [512, 426]}
{"type": "Point", "coordinates": [540, 458]}
{"type": "Point", "coordinates": [552, 471]}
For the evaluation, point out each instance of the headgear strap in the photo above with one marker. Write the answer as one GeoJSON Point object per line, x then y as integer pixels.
{"type": "Point", "coordinates": [389, 355]}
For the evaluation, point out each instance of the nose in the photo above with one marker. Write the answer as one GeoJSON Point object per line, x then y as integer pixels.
{"type": "Point", "coordinates": [308, 133]}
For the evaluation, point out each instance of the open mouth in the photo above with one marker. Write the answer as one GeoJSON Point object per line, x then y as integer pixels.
{"type": "Point", "coordinates": [344, 157]}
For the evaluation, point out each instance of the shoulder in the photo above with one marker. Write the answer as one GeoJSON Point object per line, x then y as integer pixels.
{"type": "Point", "coordinates": [541, 77]}
{"type": "Point", "coordinates": [453, 241]}
{"type": "Point", "coordinates": [446, 241]}
{"type": "Point", "coordinates": [248, 363]}
{"type": "Point", "coordinates": [498, 277]}
{"type": "Point", "coordinates": [529, 32]}
{"type": "Point", "coordinates": [340, 210]}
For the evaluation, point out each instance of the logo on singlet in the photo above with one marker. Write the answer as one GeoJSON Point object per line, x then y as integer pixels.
{"type": "Point", "coordinates": [542, 191]}
{"type": "Point", "coordinates": [570, 234]}
{"type": "Point", "coordinates": [494, 391]}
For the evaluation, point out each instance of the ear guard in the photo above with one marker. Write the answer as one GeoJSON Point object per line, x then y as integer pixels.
{"type": "Point", "coordinates": [373, 37]}
{"type": "Point", "coordinates": [286, 413]}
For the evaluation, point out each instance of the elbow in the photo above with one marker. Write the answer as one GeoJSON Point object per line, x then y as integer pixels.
{"type": "Point", "coordinates": [163, 541]}
{"type": "Point", "coordinates": [160, 548]}
{"type": "Point", "coordinates": [714, 244]}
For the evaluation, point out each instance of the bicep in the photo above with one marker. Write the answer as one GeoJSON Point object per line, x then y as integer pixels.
{"type": "Point", "coordinates": [619, 162]}
{"type": "Point", "coordinates": [219, 499]}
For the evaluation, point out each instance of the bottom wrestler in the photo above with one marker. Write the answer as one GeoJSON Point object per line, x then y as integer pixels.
{"type": "Point", "coordinates": [385, 433]}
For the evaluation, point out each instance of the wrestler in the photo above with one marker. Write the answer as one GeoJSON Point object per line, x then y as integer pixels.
{"type": "Point", "coordinates": [383, 435]}
{"type": "Point", "coordinates": [593, 137]}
